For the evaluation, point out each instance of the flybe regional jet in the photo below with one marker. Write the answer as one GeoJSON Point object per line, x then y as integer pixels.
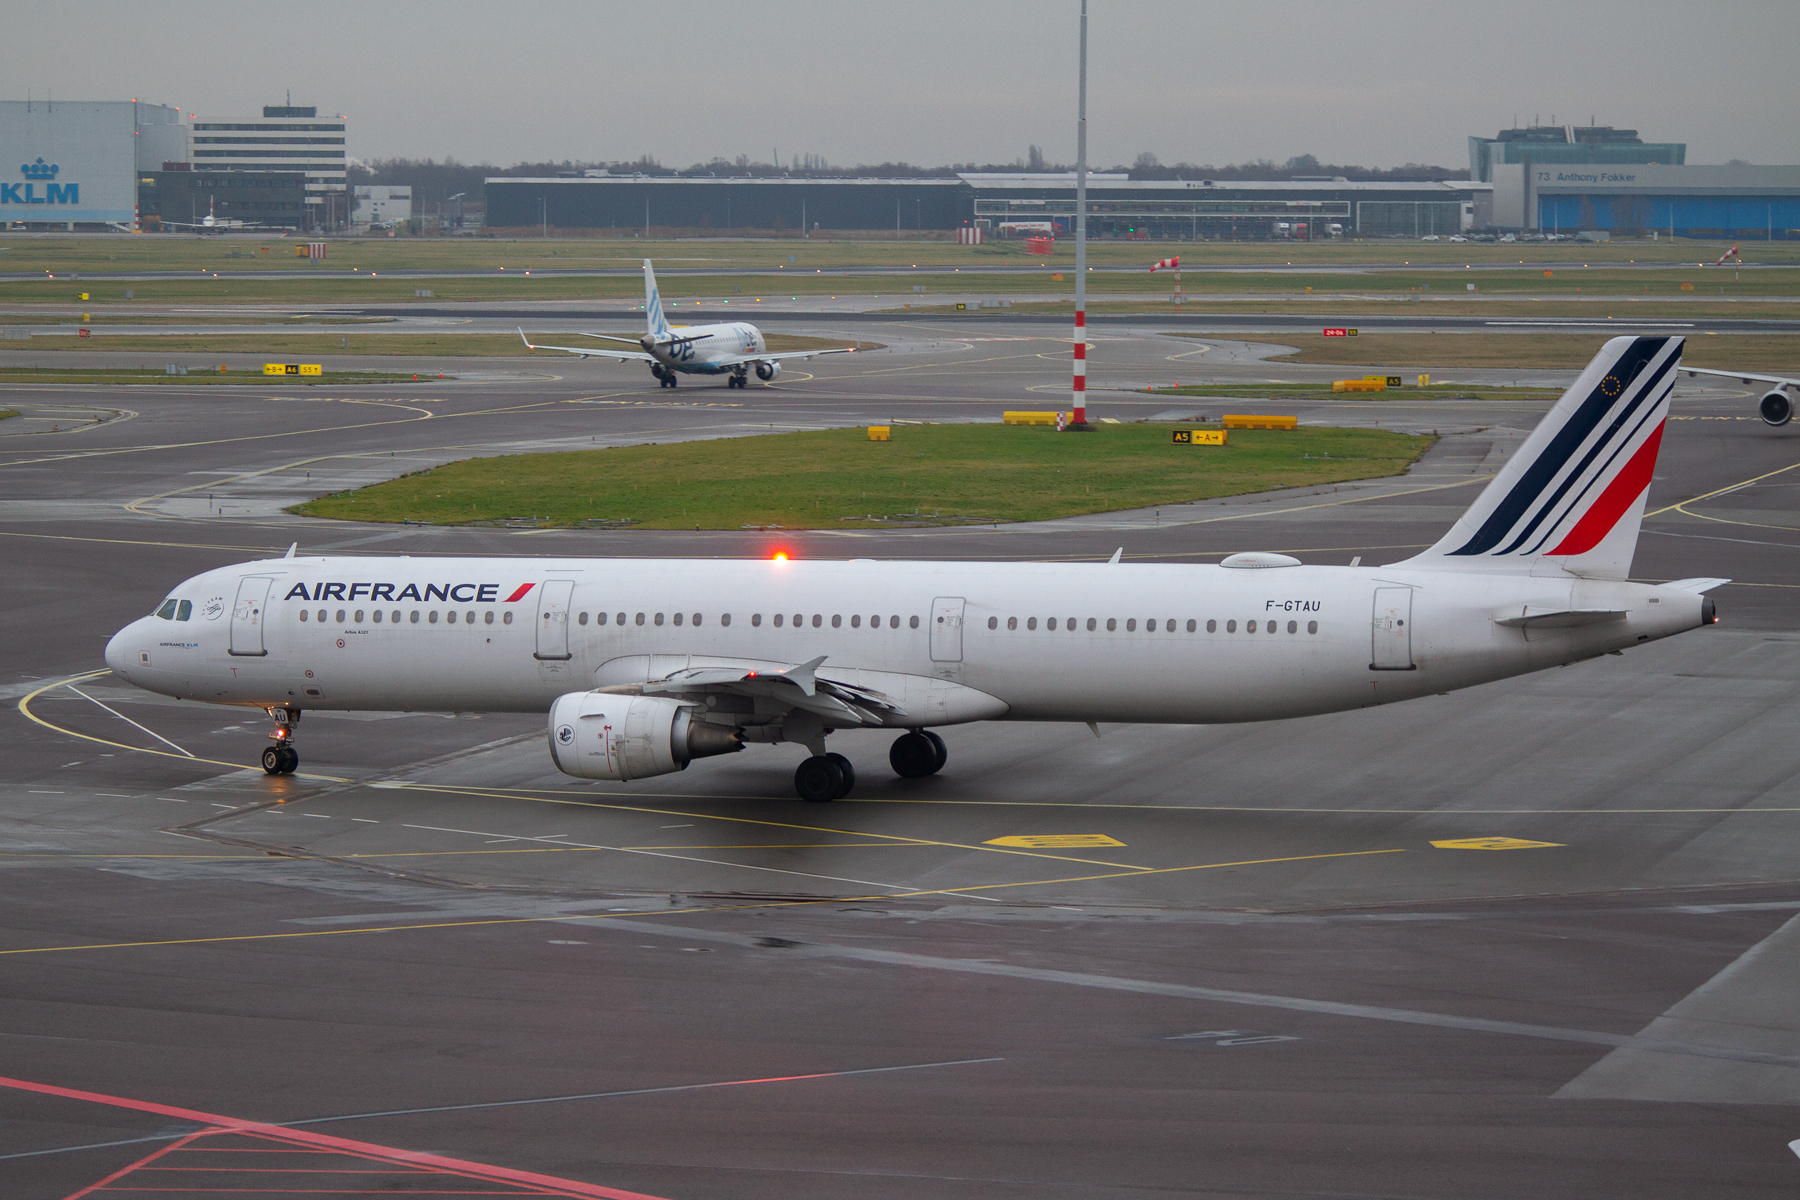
{"type": "Point", "coordinates": [731, 350]}
{"type": "Point", "coordinates": [645, 665]}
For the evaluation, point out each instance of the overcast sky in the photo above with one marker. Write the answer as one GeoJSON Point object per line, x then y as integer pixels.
{"type": "Point", "coordinates": [937, 81]}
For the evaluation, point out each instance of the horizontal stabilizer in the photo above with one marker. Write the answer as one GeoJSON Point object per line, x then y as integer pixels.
{"type": "Point", "coordinates": [1698, 586]}
{"type": "Point", "coordinates": [1560, 618]}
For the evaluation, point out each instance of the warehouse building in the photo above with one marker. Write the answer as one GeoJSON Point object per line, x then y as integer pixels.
{"type": "Point", "coordinates": [1118, 206]}
{"type": "Point", "coordinates": [75, 164]}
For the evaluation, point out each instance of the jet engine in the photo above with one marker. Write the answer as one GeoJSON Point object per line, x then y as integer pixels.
{"type": "Point", "coordinates": [766, 371]}
{"type": "Point", "coordinates": [1776, 407]}
{"type": "Point", "coordinates": [599, 735]}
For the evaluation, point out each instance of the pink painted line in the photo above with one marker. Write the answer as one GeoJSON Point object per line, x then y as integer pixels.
{"type": "Point", "coordinates": [565, 1187]}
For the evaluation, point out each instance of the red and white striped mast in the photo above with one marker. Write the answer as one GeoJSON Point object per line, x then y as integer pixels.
{"type": "Point", "coordinates": [1078, 393]}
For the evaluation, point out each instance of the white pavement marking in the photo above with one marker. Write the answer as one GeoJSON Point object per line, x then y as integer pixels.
{"type": "Point", "coordinates": [115, 712]}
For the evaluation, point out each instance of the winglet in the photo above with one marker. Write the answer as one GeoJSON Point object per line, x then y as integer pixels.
{"type": "Point", "coordinates": [1117, 554]}
{"type": "Point", "coordinates": [291, 550]}
{"type": "Point", "coordinates": [802, 675]}
{"type": "Point", "coordinates": [525, 339]}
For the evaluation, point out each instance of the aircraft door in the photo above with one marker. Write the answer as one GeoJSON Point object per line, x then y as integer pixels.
{"type": "Point", "coordinates": [1391, 637]}
{"type": "Point", "coordinates": [247, 615]}
{"type": "Point", "coordinates": [553, 619]}
{"type": "Point", "coordinates": [946, 629]}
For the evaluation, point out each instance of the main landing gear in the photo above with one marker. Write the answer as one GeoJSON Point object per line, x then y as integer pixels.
{"type": "Point", "coordinates": [281, 758]}
{"type": "Point", "coordinates": [664, 376]}
{"type": "Point", "coordinates": [738, 379]}
{"type": "Point", "coordinates": [826, 777]}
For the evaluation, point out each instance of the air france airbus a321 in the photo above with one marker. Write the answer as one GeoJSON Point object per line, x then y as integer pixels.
{"type": "Point", "coordinates": [732, 349]}
{"type": "Point", "coordinates": [646, 665]}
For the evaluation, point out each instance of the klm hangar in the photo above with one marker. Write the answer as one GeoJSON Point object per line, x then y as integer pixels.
{"type": "Point", "coordinates": [75, 165]}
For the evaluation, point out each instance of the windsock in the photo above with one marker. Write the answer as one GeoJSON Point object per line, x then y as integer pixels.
{"type": "Point", "coordinates": [1174, 263]}
{"type": "Point", "coordinates": [1723, 258]}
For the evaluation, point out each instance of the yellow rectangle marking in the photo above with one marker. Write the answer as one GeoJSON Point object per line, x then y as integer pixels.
{"type": "Point", "coordinates": [1054, 841]}
{"type": "Point", "coordinates": [880, 433]}
{"type": "Point", "coordinates": [1028, 418]}
{"type": "Point", "coordinates": [1248, 421]}
{"type": "Point", "coordinates": [1491, 843]}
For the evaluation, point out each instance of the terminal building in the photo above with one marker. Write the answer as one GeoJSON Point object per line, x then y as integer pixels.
{"type": "Point", "coordinates": [286, 139]}
{"type": "Point", "coordinates": [1736, 202]}
{"type": "Point", "coordinates": [1569, 145]}
{"type": "Point", "coordinates": [1118, 206]}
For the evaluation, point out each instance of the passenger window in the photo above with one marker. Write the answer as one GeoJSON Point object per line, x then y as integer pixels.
{"type": "Point", "coordinates": [913, 623]}
{"type": "Point", "coordinates": [395, 616]}
{"type": "Point", "coordinates": [359, 616]}
{"type": "Point", "coordinates": [600, 618]}
{"type": "Point", "coordinates": [1312, 627]}
{"type": "Point", "coordinates": [303, 614]}
{"type": "Point", "coordinates": [1071, 624]}
{"type": "Point", "coordinates": [1273, 626]}
{"type": "Point", "coordinates": [855, 621]}
{"type": "Point", "coordinates": [724, 618]}
{"type": "Point", "coordinates": [993, 622]}
{"type": "Point", "coordinates": [1012, 622]}
{"type": "Point", "coordinates": [659, 618]}
{"type": "Point", "coordinates": [640, 618]}
{"type": "Point", "coordinates": [836, 621]}
{"type": "Point", "coordinates": [1191, 625]}
{"type": "Point", "coordinates": [167, 611]}
{"type": "Point", "coordinates": [778, 620]}
{"type": "Point", "coordinates": [185, 611]}
{"type": "Point", "coordinates": [340, 616]}
{"type": "Point", "coordinates": [817, 620]}
{"type": "Point", "coordinates": [414, 618]}
{"type": "Point", "coordinates": [894, 622]}
{"type": "Point", "coordinates": [507, 619]}
{"type": "Point", "coordinates": [1249, 626]}
{"type": "Point", "coordinates": [756, 620]}
{"type": "Point", "coordinates": [449, 617]}
{"type": "Point", "coordinates": [1112, 623]}
{"type": "Point", "coordinates": [431, 617]}
{"type": "Point", "coordinates": [468, 618]}
{"type": "Point", "coordinates": [1091, 624]}
{"type": "Point", "coordinates": [1212, 627]}
{"type": "Point", "coordinates": [1231, 627]}
{"type": "Point", "coordinates": [696, 618]}
{"type": "Point", "coordinates": [1131, 625]}
{"type": "Point", "coordinates": [677, 619]}
{"type": "Point", "coordinates": [621, 618]}
{"type": "Point", "coordinates": [1293, 627]}
{"type": "Point", "coordinates": [488, 617]}
{"type": "Point", "coordinates": [1031, 623]}
{"type": "Point", "coordinates": [582, 619]}
{"type": "Point", "coordinates": [377, 615]}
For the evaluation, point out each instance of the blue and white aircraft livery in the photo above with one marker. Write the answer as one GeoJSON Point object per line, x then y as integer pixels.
{"type": "Point", "coordinates": [732, 349]}
{"type": "Point", "coordinates": [645, 665]}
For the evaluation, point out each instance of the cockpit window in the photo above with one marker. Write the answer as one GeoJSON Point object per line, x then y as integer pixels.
{"type": "Point", "coordinates": [185, 611]}
{"type": "Point", "coordinates": [167, 611]}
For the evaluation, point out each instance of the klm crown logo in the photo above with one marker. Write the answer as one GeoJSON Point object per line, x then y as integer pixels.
{"type": "Point", "coordinates": [39, 170]}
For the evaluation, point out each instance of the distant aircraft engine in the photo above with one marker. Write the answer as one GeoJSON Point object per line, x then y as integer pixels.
{"type": "Point", "coordinates": [1777, 408]}
{"type": "Point", "coordinates": [598, 735]}
{"type": "Point", "coordinates": [766, 371]}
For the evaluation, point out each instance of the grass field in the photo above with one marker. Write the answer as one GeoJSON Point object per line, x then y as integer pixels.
{"type": "Point", "coordinates": [162, 252]}
{"type": "Point", "coordinates": [283, 345]}
{"type": "Point", "coordinates": [838, 479]}
{"type": "Point", "coordinates": [198, 375]}
{"type": "Point", "coordinates": [1314, 392]}
{"type": "Point", "coordinates": [1425, 351]}
{"type": "Point", "coordinates": [7, 412]}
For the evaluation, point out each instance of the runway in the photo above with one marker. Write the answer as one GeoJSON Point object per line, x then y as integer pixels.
{"type": "Point", "coordinates": [1535, 937]}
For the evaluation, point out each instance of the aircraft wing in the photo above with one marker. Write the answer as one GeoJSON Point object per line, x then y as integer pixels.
{"type": "Point", "coordinates": [735, 359]}
{"type": "Point", "coordinates": [590, 352]}
{"type": "Point", "coordinates": [794, 687]}
{"type": "Point", "coordinates": [1743, 376]}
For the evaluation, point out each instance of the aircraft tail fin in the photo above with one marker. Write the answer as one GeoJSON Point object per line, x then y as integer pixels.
{"type": "Point", "coordinates": [655, 322]}
{"type": "Point", "coordinates": [1572, 498]}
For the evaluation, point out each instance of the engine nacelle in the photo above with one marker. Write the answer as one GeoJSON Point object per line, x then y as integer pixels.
{"type": "Point", "coordinates": [1776, 407]}
{"type": "Point", "coordinates": [599, 735]}
{"type": "Point", "coordinates": [766, 371]}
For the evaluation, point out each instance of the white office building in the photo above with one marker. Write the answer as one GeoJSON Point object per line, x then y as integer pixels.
{"type": "Point", "coordinates": [286, 138]}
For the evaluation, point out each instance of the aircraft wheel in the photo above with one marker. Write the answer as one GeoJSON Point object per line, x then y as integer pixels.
{"type": "Point", "coordinates": [290, 760]}
{"type": "Point", "coordinates": [847, 770]}
{"type": "Point", "coordinates": [818, 780]}
{"type": "Point", "coordinates": [273, 760]}
{"type": "Point", "coordinates": [937, 745]}
{"type": "Point", "coordinates": [913, 756]}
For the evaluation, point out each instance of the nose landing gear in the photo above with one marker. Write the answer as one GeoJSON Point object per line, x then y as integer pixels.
{"type": "Point", "coordinates": [281, 758]}
{"type": "Point", "coordinates": [918, 754]}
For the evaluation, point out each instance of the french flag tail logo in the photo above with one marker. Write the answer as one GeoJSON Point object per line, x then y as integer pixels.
{"type": "Point", "coordinates": [1572, 498]}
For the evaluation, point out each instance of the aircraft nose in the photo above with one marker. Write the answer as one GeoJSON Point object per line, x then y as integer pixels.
{"type": "Point", "coordinates": [121, 650]}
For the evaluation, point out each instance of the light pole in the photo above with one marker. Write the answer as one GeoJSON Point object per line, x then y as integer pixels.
{"type": "Point", "coordinates": [1078, 389]}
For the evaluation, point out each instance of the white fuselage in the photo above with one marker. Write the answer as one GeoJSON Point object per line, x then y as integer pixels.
{"type": "Point", "coordinates": [1020, 641]}
{"type": "Point", "coordinates": [718, 350]}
